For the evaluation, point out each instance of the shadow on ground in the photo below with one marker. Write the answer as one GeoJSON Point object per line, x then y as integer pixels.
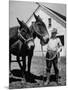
{"type": "Point", "coordinates": [29, 77]}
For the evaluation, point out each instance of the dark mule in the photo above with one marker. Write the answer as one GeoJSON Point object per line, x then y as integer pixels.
{"type": "Point", "coordinates": [21, 43]}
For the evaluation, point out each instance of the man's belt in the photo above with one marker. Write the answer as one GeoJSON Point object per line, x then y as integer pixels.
{"type": "Point", "coordinates": [51, 54]}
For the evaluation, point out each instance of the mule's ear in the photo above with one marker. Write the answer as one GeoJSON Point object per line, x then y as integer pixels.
{"type": "Point", "coordinates": [36, 17]}
{"type": "Point", "coordinates": [19, 22]}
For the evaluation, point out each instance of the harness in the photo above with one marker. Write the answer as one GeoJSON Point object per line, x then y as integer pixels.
{"type": "Point", "coordinates": [26, 40]}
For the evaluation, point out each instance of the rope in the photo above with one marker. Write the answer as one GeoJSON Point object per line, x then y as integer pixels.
{"type": "Point", "coordinates": [42, 62]}
{"type": "Point", "coordinates": [32, 14]}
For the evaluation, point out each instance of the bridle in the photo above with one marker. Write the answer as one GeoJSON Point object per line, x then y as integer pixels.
{"type": "Point", "coordinates": [25, 40]}
{"type": "Point", "coordinates": [35, 28]}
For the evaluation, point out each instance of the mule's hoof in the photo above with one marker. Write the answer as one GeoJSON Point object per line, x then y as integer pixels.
{"type": "Point", "coordinates": [47, 82]}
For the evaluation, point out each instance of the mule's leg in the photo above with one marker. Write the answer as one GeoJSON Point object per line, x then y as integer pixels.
{"type": "Point", "coordinates": [24, 64]}
{"type": "Point", "coordinates": [29, 62]}
{"type": "Point", "coordinates": [18, 60]}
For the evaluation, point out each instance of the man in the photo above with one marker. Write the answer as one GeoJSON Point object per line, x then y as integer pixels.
{"type": "Point", "coordinates": [53, 48]}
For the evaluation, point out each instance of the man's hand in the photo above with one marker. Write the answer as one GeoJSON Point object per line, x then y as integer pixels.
{"type": "Point", "coordinates": [61, 50]}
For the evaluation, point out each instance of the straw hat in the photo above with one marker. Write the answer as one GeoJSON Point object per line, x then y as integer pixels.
{"type": "Point", "coordinates": [54, 30]}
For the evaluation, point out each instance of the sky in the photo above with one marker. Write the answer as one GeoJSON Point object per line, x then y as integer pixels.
{"type": "Point", "coordinates": [23, 10]}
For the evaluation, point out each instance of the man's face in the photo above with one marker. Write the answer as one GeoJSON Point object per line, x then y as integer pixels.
{"type": "Point", "coordinates": [54, 34]}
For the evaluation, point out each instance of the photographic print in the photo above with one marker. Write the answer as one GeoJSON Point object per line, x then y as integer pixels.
{"type": "Point", "coordinates": [37, 44]}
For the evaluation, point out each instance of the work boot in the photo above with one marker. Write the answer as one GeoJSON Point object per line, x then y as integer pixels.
{"type": "Point", "coordinates": [57, 77]}
{"type": "Point", "coordinates": [48, 79]}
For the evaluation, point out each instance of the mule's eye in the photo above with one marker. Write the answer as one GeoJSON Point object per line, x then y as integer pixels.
{"type": "Point", "coordinates": [23, 30]}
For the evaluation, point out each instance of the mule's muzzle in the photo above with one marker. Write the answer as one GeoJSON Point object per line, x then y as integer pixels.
{"type": "Point", "coordinates": [31, 44]}
{"type": "Point", "coordinates": [44, 40]}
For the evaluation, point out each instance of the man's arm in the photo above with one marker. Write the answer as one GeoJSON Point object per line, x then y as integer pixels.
{"type": "Point", "coordinates": [59, 45]}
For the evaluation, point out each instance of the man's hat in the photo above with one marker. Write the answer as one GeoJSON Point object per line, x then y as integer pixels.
{"type": "Point", "coordinates": [54, 30]}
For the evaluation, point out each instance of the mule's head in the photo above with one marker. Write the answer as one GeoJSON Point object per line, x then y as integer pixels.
{"type": "Point", "coordinates": [41, 30]}
{"type": "Point", "coordinates": [25, 34]}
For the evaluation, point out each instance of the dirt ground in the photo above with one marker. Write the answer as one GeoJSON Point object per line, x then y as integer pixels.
{"type": "Point", "coordinates": [38, 74]}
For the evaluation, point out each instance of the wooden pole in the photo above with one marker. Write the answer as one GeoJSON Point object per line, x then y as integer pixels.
{"type": "Point", "coordinates": [32, 14]}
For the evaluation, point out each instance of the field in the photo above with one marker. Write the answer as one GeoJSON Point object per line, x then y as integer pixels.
{"type": "Point", "coordinates": [38, 74]}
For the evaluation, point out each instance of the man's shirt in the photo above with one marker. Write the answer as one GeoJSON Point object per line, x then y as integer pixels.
{"type": "Point", "coordinates": [54, 44]}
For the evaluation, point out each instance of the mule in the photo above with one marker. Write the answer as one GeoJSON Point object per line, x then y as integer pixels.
{"type": "Point", "coordinates": [21, 43]}
{"type": "Point", "coordinates": [37, 29]}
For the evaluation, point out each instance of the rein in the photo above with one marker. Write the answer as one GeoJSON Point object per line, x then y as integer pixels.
{"type": "Point", "coordinates": [52, 57]}
{"type": "Point", "coordinates": [46, 51]}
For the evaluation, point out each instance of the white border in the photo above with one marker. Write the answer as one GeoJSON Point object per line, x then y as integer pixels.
{"type": "Point", "coordinates": [4, 43]}
{"type": "Point", "coordinates": [47, 1]}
